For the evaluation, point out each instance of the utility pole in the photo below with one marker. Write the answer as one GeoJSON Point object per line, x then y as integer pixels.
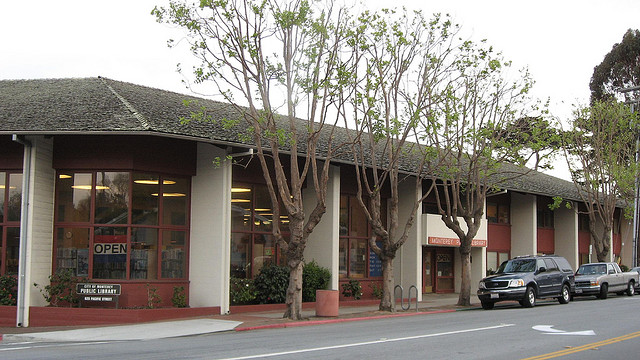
{"type": "Point", "coordinates": [636, 208]}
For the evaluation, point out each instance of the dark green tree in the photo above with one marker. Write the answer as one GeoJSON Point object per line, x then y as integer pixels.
{"type": "Point", "coordinates": [619, 69]}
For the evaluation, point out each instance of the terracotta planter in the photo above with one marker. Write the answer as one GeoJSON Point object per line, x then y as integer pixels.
{"type": "Point", "coordinates": [327, 302]}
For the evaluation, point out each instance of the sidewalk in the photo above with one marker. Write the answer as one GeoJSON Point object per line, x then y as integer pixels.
{"type": "Point", "coordinates": [432, 303]}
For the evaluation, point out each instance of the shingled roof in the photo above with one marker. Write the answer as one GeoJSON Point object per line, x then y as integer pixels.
{"type": "Point", "coordinates": [105, 106]}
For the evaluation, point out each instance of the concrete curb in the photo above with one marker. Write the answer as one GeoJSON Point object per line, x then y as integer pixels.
{"type": "Point", "coordinates": [333, 321]}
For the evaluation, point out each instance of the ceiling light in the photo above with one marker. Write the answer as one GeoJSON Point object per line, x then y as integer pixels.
{"type": "Point", "coordinates": [240, 200]}
{"type": "Point", "coordinates": [154, 182]}
{"type": "Point", "coordinates": [170, 194]}
{"type": "Point", "coordinates": [89, 187]}
{"type": "Point", "coordinates": [64, 176]}
{"type": "Point", "coordinates": [240, 190]}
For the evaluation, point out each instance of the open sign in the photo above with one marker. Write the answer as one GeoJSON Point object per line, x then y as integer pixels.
{"type": "Point", "coordinates": [109, 248]}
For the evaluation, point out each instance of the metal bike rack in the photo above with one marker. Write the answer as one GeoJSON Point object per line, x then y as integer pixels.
{"type": "Point", "coordinates": [408, 296]}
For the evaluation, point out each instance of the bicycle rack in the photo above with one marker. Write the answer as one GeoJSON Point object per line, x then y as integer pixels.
{"type": "Point", "coordinates": [408, 296]}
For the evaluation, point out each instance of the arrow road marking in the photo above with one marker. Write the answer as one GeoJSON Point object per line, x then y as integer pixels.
{"type": "Point", "coordinates": [548, 329]}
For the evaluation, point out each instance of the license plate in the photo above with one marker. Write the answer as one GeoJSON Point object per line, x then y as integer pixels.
{"type": "Point", "coordinates": [578, 291]}
{"type": "Point", "coordinates": [495, 296]}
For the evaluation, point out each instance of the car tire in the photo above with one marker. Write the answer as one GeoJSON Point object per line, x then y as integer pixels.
{"type": "Point", "coordinates": [604, 291]}
{"type": "Point", "coordinates": [529, 297]}
{"type": "Point", "coordinates": [631, 288]}
{"type": "Point", "coordinates": [565, 295]}
{"type": "Point", "coordinates": [487, 305]}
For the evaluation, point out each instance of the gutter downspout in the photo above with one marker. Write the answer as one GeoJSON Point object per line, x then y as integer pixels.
{"type": "Point", "coordinates": [24, 225]}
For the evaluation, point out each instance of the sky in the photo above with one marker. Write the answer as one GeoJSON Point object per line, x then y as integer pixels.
{"type": "Point", "coordinates": [559, 41]}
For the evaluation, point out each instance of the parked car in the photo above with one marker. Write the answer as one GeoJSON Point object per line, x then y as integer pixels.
{"type": "Point", "coordinates": [527, 278]}
{"type": "Point", "coordinates": [602, 278]}
{"type": "Point", "coordinates": [637, 269]}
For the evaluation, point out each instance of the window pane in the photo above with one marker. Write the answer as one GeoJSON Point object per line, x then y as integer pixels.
{"type": "Point", "coordinates": [15, 197]}
{"type": "Point", "coordinates": [241, 206]}
{"type": "Point", "coordinates": [263, 216]}
{"type": "Point", "coordinates": [359, 225]}
{"type": "Point", "coordinates": [240, 253]}
{"type": "Point", "coordinates": [73, 194]}
{"type": "Point", "coordinates": [144, 254]}
{"type": "Point", "coordinates": [13, 250]}
{"type": "Point", "coordinates": [502, 257]}
{"type": "Point", "coordinates": [344, 216]}
{"type": "Point", "coordinates": [175, 196]}
{"type": "Point", "coordinates": [492, 213]}
{"type": "Point", "coordinates": [343, 258]}
{"type": "Point", "coordinates": [3, 188]}
{"type": "Point", "coordinates": [112, 198]}
{"type": "Point", "coordinates": [145, 199]}
{"type": "Point", "coordinates": [72, 250]}
{"type": "Point", "coordinates": [264, 252]}
{"type": "Point", "coordinates": [110, 253]}
{"type": "Point", "coordinates": [503, 214]}
{"type": "Point", "coordinates": [173, 254]}
{"type": "Point", "coordinates": [358, 258]}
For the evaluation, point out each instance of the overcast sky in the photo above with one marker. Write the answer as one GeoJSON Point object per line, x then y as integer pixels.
{"type": "Point", "coordinates": [560, 41]}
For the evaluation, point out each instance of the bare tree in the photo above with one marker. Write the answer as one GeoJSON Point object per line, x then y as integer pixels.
{"type": "Point", "coordinates": [600, 150]}
{"type": "Point", "coordinates": [276, 57]}
{"type": "Point", "coordinates": [397, 61]}
{"type": "Point", "coordinates": [472, 131]}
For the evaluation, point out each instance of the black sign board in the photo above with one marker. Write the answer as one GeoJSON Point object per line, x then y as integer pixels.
{"type": "Point", "coordinates": [98, 290]}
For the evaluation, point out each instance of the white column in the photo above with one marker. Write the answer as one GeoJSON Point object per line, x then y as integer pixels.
{"type": "Point", "coordinates": [39, 231]}
{"type": "Point", "coordinates": [323, 242]}
{"type": "Point", "coordinates": [408, 262]}
{"type": "Point", "coordinates": [523, 224]}
{"type": "Point", "coordinates": [209, 252]}
{"type": "Point", "coordinates": [566, 234]}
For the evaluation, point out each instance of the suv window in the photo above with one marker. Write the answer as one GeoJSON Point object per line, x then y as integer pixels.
{"type": "Point", "coordinates": [550, 265]}
{"type": "Point", "coordinates": [563, 264]}
{"type": "Point", "coordinates": [517, 265]}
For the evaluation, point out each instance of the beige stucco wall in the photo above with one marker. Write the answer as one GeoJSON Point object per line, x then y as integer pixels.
{"type": "Point", "coordinates": [523, 224]}
{"type": "Point", "coordinates": [408, 262]}
{"type": "Point", "coordinates": [566, 234]}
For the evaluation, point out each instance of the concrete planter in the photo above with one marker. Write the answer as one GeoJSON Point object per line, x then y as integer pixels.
{"type": "Point", "coordinates": [327, 302]}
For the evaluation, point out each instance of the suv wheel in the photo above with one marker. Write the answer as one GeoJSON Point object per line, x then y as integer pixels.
{"type": "Point", "coordinates": [529, 297]}
{"type": "Point", "coordinates": [604, 291]}
{"type": "Point", "coordinates": [631, 288]}
{"type": "Point", "coordinates": [565, 295]}
{"type": "Point", "coordinates": [487, 305]}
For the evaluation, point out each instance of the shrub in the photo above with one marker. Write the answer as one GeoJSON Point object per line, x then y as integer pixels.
{"type": "Point", "coordinates": [179, 298]}
{"type": "Point", "coordinates": [376, 290]}
{"type": "Point", "coordinates": [62, 289]}
{"type": "Point", "coordinates": [8, 290]}
{"type": "Point", "coordinates": [153, 298]}
{"type": "Point", "coordinates": [271, 284]}
{"type": "Point", "coordinates": [314, 277]}
{"type": "Point", "coordinates": [352, 289]}
{"type": "Point", "coordinates": [242, 291]}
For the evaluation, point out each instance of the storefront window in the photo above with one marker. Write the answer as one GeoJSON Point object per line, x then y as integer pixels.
{"type": "Point", "coordinates": [144, 253]}
{"type": "Point", "coordinates": [112, 198]}
{"type": "Point", "coordinates": [252, 243]}
{"type": "Point", "coordinates": [355, 258]}
{"type": "Point", "coordinates": [144, 204]}
{"type": "Point", "coordinates": [72, 250]}
{"type": "Point", "coordinates": [10, 207]}
{"type": "Point", "coordinates": [174, 258]}
{"type": "Point", "coordinates": [139, 230]}
{"type": "Point", "coordinates": [73, 197]}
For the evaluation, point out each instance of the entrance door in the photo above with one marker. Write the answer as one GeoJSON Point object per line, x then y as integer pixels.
{"type": "Point", "coordinates": [444, 270]}
{"type": "Point", "coordinates": [428, 270]}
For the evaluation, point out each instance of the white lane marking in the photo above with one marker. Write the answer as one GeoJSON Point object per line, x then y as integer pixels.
{"type": "Point", "coordinates": [548, 329]}
{"type": "Point", "coordinates": [52, 345]}
{"type": "Point", "coordinates": [258, 356]}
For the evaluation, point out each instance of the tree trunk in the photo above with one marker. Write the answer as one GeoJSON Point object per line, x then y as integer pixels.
{"type": "Point", "coordinates": [465, 287]}
{"type": "Point", "coordinates": [294, 294]}
{"type": "Point", "coordinates": [602, 246]}
{"type": "Point", "coordinates": [387, 302]}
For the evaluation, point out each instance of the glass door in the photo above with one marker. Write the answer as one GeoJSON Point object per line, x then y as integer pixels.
{"type": "Point", "coordinates": [428, 270]}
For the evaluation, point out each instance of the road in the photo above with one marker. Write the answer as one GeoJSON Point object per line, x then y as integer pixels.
{"type": "Point", "coordinates": [584, 329]}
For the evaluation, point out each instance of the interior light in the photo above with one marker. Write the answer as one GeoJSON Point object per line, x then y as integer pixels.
{"type": "Point", "coordinates": [262, 209]}
{"type": "Point", "coordinates": [240, 200]}
{"type": "Point", "coordinates": [64, 176]}
{"type": "Point", "coordinates": [89, 187]}
{"type": "Point", "coordinates": [240, 190]}
{"type": "Point", "coordinates": [10, 187]}
{"type": "Point", "coordinates": [170, 194]}
{"type": "Point", "coordinates": [154, 182]}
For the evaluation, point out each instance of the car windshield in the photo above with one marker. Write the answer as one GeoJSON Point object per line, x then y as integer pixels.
{"type": "Point", "coordinates": [517, 265]}
{"type": "Point", "coordinates": [592, 269]}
